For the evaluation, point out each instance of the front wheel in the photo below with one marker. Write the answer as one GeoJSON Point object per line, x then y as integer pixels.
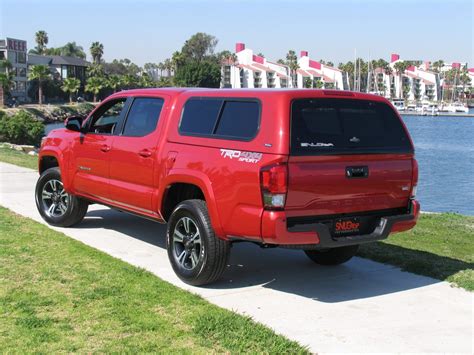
{"type": "Point", "coordinates": [197, 256]}
{"type": "Point", "coordinates": [333, 256]}
{"type": "Point", "coordinates": [55, 205]}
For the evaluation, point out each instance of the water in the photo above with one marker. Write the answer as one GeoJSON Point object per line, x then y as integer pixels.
{"type": "Point", "coordinates": [444, 149]}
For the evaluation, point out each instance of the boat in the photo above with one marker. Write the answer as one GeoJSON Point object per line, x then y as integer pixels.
{"type": "Point", "coordinates": [460, 107]}
{"type": "Point", "coordinates": [399, 104]}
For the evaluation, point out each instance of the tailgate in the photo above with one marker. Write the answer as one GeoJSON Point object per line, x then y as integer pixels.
{"type": "Point", "coordinates": [347, 156]}
{"type": "Point", "coordinates": [329, 185]}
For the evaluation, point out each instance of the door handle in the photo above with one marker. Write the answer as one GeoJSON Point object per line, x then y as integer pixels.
{"type": "Point", "coordinates": [105, 148]}
{"type": "Point", "coordinates": [145, 153]}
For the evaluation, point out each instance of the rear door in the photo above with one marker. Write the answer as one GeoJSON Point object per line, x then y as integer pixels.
{"type": "Point", "coordinates": [347, 156]}
{"type": "Point", "coordinates": [134, 154]}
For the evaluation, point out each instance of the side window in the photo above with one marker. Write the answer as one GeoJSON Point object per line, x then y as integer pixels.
{"type": "Point", "coordinates": [107, 117]}
{"type": "Point", "coordinates": [143, 117]}
{"type": "Point", "coordinates": [200, 116]}
{"type": "Point", "coordinates": [220, 118]}
{"type": "Point", "coordinates": [239, 119]}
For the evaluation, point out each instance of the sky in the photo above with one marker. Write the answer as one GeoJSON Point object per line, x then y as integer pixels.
{"type": "Point", "coordinates": [150, 31]}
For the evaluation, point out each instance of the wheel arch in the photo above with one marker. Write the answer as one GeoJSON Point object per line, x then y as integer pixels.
{"type": "Point", "coordinates": [182, 185]}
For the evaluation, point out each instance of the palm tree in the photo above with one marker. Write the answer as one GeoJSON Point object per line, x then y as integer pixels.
{"type": "Point", "coordinates": [41, 38]}
{"type": "Point", "coordinates": [42, 74]}
{"type": "Point", "coordinates": [71, 49]}
{"type": "Point", "coordinates": [6, 79]}
{"type": "Point", "coordinates": [292, 62]}
{"type": "Point", "coordinates": [71, 86]}
{"type": "Point", "coordinates": [94, 85]}
{"type": "Point", "coordinates": [400, 68]}
{"type": "Point", "coordinates": [114, 82]}
{"type": "Point", "coordinates": [97, 51]}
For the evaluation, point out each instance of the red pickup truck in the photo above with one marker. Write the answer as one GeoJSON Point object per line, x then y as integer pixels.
{"type": "Point", "coordinates": [317, 170]}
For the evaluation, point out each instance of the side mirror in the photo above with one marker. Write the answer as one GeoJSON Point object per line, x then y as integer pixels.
{"type": "Point", "coordinates": [74, 123]}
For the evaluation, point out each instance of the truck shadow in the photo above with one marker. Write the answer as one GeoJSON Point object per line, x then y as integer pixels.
{"type": "Point", "coordinates": [284, 270]}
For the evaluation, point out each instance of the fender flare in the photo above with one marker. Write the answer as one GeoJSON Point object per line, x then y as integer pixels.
{"type": "Point", "coordinates": [201, 180]}
{"type": "Point", "coordinates": [59, 156]}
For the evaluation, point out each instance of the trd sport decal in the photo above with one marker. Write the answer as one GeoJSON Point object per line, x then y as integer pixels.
{"type": "Point", "coordinates": [247, 157]}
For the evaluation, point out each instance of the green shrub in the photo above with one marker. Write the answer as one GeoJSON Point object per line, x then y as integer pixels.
{"type": "Point", "coordinates": [21, 128]}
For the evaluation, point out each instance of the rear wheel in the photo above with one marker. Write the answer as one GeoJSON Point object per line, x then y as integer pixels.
{"type": "Point", "coordinates": [55, 205]}
{"type": "Point", "coordinates": [334, 256]}
{"type": "Point", "coordinates": [197, 256]}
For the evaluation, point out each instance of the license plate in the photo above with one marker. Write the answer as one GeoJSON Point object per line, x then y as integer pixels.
{"type": "Point", "coordinates": [347, 226]}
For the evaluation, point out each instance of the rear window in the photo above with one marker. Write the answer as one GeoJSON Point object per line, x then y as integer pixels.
{"type": "Point", "coordinates": [344, 126]}
{"type": "Point", "coordinates": [220, 118]}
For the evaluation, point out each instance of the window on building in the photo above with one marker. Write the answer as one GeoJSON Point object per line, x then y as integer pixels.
{"type": "Point", "coordinates": [143, 117]}
{"type": "Point", "coordinates": [21, 57]}
{"type": "Point", "coordinates": [21, 86]}
{"type": "Point", "coordinates": [21, 72]}
{"type": "Point", "coordinates": [221, 118]}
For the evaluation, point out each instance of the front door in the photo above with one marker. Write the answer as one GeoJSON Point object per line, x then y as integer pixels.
{"type": "Point", "coordinates": [91, 150]}
{"type": "Point", "coordinates": [134, 155]}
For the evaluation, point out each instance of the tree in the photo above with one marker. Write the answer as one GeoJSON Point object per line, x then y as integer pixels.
{"type": "Point", "coordinates": [199, 47]}
{"type": "Point", "coordinates": [199, 74]}
{"type": "Point", "coordinates": [41, 73]}
{"type": "Point", "coordinates": [400, 68]}
{"type": "Point", "coordinates": [71, 49]}
{"type": "Point", "coordinates": [94, 85]}
{"type": "Point", "coordinates": [292, 62]}
{"type": "Point", "coordinates": [196, 65]}
{"type": "Point", "coordinates": [71, 86]}
{"type": "Point", "coordinates": [114, 82]}
{"type": "Point", "coordinates": [97, 51]}
{"type": "Point", "coordinates": [6, 79]}
{"type": "Point", "coordinates": [41, 38]}
{"type": "Point", "coordinates": [436, 66]}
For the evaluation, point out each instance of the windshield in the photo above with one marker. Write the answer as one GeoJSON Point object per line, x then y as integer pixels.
{"type": "Point", "coordinates": [344, 126]}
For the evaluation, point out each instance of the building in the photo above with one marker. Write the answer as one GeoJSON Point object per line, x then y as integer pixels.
{"type": "Point", "coordinates": [253, 71]}
{"type": "Point", "coordinates": [61, 67]}
{"type": "Point", "coordinates": [14, 50]}
{"type": "Point", "coordinates": [417, 82]}
{"type": "Point", "coordinates": [313, 74]}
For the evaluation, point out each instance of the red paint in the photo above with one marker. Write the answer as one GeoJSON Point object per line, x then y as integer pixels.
{"type": "Point", "coordinates": [314, 64]}
{"type": "Point", "coordinates": [134, 173]}
{"type": "Point", "coordinates": [258, 59]}
{"type": "Point", "coordinates": [303, 53]}
{"type": "Point", "coordinates": [239, 47]}
{"type": "Point", "coordinates": [394, 57]}
{"type": "Point", "coordinates": [456, 65]}
{"type": "Point", "coordinates": [411, 68]}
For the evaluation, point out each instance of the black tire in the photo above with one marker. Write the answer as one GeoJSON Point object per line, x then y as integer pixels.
{"type": "Point", "coordinates": [75, 207]}
{"type": "Point", "coordinates": [211, 252]}
{"type": "Point", "coordinates": [334, 256]}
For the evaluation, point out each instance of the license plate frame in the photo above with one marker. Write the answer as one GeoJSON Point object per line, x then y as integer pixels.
{"type": "Point", "coordinates": [347, 226]}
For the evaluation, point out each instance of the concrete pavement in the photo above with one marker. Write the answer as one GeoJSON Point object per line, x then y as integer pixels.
{"type": "Point", "coordinates": [362, 306]}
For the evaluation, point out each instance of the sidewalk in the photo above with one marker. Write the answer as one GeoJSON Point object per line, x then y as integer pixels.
{"type": "Point", "coordinates": [362, 306]}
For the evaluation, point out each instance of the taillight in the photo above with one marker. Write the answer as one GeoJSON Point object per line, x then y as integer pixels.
{"type": "Point", "coordinates": [274, 184]}
{"type": "Point", "coordinates": [414, 180]}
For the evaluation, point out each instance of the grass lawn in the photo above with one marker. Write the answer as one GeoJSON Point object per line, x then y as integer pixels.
{"type": "Point", "coordinates": [11, 156]}
{"type": "Point", "coordinates": [440, 246]}
{"type": "Point", "coordinates": [59, 295]}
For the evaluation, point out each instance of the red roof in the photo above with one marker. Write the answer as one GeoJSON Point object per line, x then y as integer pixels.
{"type": "Point", "coordinates": [262, 67]}
{"type": "Point", "coordinates": [327, 79]}
{"type": "Point", "coordinates": [314, 72]}
{"type": "Point", "coordinates": [303, 72]}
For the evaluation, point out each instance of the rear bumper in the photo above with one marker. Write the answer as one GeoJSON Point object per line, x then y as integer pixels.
{"type": "Point", "coordinates": [318, 236]}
